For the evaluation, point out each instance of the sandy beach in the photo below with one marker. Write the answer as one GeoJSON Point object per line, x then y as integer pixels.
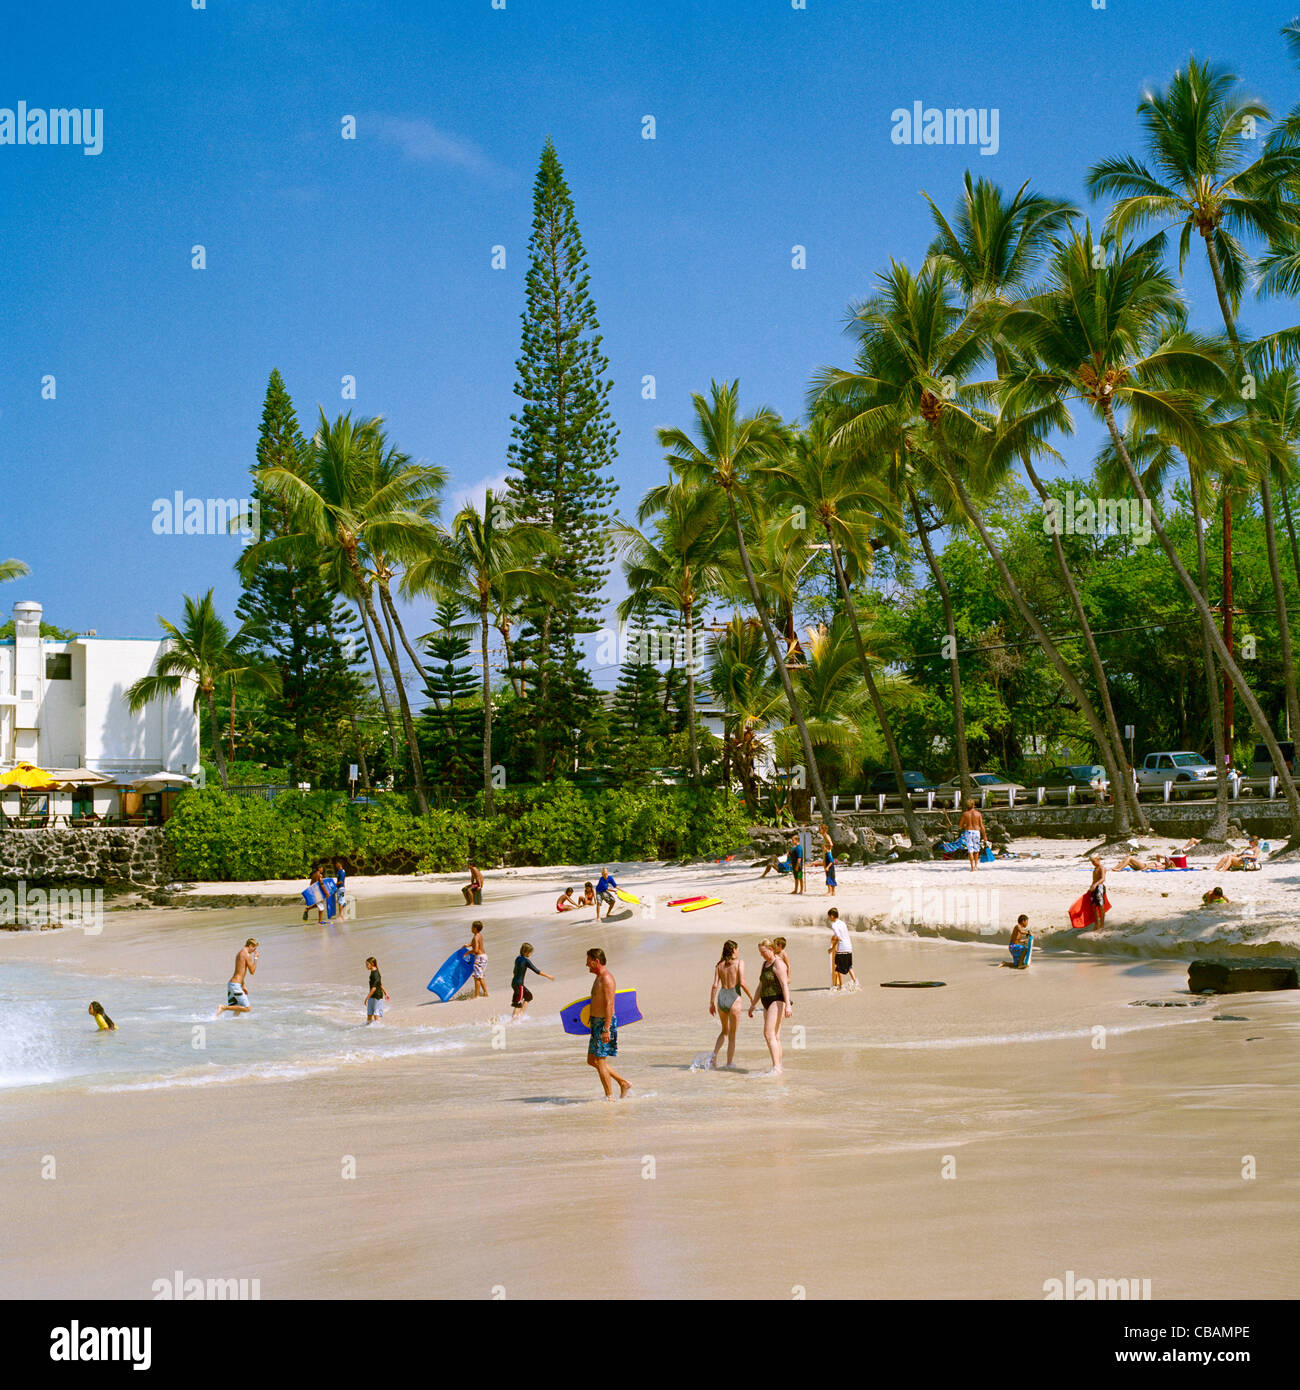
{"type": "Point", "coordinates": [975, 1140]}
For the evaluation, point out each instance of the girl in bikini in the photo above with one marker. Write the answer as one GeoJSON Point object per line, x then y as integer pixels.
{"type": "Point", "coordinates": [728, 986]}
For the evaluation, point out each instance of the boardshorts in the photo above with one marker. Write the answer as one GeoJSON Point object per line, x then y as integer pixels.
{"type": "Point", "coordinates": [480, 967]}
{"type": "Point", "coordinates": [235, 994]}
{"type": "Point", "coordinates": [599, 1047]}
{"type": "Point", "coordinates": [970, 840]}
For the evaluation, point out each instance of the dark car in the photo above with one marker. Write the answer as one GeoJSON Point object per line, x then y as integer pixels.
{"type": "Point", "coordinates": [887, 783]}
{"type": "Point", "coordinates": [1087, 779]}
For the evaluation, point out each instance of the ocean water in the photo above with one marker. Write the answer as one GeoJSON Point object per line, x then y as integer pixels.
{"type": "Point", "coordinates": [168, 1034]}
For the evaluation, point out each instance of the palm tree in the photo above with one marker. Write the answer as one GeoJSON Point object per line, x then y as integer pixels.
{"type": "Point", "coordinates": [923, 345]}
{"type": "Point", "coordinates": [201, 649]}
{"type": "Point", "coordinates": [471, 563]}
{"type": "Point", "coordinates": [852, 508]}
{"type": "Point", "coordinates": [353, 507]}
{"type": "Point", "coordinates": [741, 680]}
{"type": "Point", "coordinates": [12, 569]}
{"type": "Point", "coordinates": [1207, 183]}
{"type": "Point", "coordinates": [679, 567]}
{"type": "Point", "coordinates": [1107, 330]}
{"type": "Point", "coordinates": [730, 448]}
{"type": "Point", "coordinates": [992, 247]}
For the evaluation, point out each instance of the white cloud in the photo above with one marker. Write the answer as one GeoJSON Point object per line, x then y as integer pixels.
{"type": "Point", "coordinates": [475, 492]}
{"type": "Point", "coordinates": [421, 141]}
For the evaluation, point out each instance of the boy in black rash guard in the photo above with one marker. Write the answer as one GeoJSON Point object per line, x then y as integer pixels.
{"type": "Point", "coordinates": [376, 995]}
{"type": "Point", "coordinates": [520, 995]}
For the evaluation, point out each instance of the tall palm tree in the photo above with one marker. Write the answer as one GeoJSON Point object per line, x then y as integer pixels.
{"type": "Point", "coordinates": [730, 448]}
{"type": "Point", "coordinates": [992, 246]}
{"type": "Point", "coordinates": [1207, 182]}
{"type": "Point", "coordinates": [352, 508]}
{"type": "Point", "coordinates": [851, 507]}
{"type": "Point", "coordinates": [201, 649]}
{"type": "Point", "coordinates": [680, 567]}
{"type": "Point", "coordinates": [741, 679]}
{"type": "Point", "coordinates": [1107, 330]}
{"type": "Point", "coordinates": [12, 569]}
{"type": "Point", "coordinates": [470, 563]}
{"type": "Point", "coordinates": [923, 345]}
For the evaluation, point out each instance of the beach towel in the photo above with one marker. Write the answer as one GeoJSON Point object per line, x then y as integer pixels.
{"type": "Point", "coordinates": [987, 856]}
{"type": "Point", "coordinates": [1084, 912]}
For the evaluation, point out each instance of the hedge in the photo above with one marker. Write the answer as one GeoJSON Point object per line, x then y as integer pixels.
{"type": "Point", "coordinates": [223, 837]}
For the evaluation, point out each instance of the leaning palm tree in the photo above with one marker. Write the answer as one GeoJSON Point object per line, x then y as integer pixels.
{"type": "Point", "coordinates": [470, 563]}
{"type": "Point", "coordinates": [1107, 330]}
{"type": "Point", "coordinates": [923, 344]}
{"type": "Point", "coordinates": [1211, 181]}
{"type": "Point", "coordinates": [203, 650]}
{"type": "Point", "coordinates": [352, 509]}
{"type": "Point", "coordinates": [741, 680]}
{"type": "Point", "coordinates": [680, 566]}
{"type": "Point", "coordinates": [730, 448]}
{"type": "Point", "coordinates": [852, 509]}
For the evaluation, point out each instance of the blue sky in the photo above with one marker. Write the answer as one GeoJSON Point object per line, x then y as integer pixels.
{"type": "Point", "coordinates": [372, 258]}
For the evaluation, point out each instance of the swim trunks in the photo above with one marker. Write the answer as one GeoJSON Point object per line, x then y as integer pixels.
{"type": "Point", "coordinates": [522, 995]}
{"type": "Point", "coordinates": [970, 840]}
{"type": "Point", "coordinates": [843, 962]}
{"type": "Point", "coordinates": [480, 966]}
{"type": "Point", "coordinates": [726, 998]}
{"type": "Point", "coordinates": [599, 1047]}
{"type": "Point", "coordinates": [374, 1007]}
{"type": "Point", "coordinates": [235, 994]}
{"type": "Point", "coordinates": [1098, 894]}
{"type": "Point", "coordinates": [830, 876]}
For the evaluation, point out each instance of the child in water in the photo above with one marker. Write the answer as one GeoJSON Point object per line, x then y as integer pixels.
{"type": "Point", "coordinates": [96, 1011]}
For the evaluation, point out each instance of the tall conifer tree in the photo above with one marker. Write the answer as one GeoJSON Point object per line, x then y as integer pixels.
{"type": "Point", "coordinates": [563, 448]}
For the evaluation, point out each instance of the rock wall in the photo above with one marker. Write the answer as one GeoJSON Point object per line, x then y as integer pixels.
{"type": "Point", "coordinates": [137, 855]}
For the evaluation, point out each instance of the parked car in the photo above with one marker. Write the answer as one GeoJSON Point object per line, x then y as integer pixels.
{"type": "Point", "coordinates": [1184, 769]}
{"type": "Point", "coordinates": [990, 782]}
{"type": "Point", "coordinates": [1088, 780]}
{"type": "Point", "coordinates": [1261, 765]}
{"type": "Point", "coordinates": [886, 782]}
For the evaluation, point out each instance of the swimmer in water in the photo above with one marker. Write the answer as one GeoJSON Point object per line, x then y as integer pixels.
{"type": "Point", "coordinates": [96, 1011]}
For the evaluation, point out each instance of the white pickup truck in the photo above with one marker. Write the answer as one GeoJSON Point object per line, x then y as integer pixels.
{"type": "Point", "coordinates": [1182, 769]}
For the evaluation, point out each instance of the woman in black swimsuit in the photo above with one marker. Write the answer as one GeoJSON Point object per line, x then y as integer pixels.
{"type": "Point", "coordinates": [774, 995]}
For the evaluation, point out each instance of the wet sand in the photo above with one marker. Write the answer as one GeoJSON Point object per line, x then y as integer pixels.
{"type": "Point", "coordinates": [970, 1141]}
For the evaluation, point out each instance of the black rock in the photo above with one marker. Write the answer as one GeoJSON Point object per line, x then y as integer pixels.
{"type": "Point", "coordinates": [1242, 976]}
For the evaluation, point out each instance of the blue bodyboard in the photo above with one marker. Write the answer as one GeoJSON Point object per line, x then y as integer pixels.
{"type": "Point", "coordinates": [452, 974]}
{"type": "Point", "coordinates": [576, 1017]}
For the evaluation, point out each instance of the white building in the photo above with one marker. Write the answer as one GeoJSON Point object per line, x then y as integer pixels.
{"type": "Point", "coordinates": [63, 705]}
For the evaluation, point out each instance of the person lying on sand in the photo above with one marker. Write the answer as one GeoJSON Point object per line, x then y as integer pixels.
{"type": "Point", "coordinates": [1248, 858]}
{"type": "Point", "coordinates": [1213, 897]}
{"type": "Point", "coordinates": [1131, 861]}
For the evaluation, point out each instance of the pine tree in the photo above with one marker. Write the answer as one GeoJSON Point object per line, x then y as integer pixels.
{"type": "Point", "coordinates": [563, 448]}
{"type": "Point", "coordinates": [295, 621]}
{"type": "Point", "coordinates": [638, 725]}
{"type": "Point", "coordinates": [451, 725]}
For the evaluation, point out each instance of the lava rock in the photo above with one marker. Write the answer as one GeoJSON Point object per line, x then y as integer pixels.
{"type": "Point", "coordinates": [1242, 976]}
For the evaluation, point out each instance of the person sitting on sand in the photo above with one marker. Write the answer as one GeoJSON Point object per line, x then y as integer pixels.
{"type": "Point", "coordinates": [96, 1011]}
{"type": "Point", "coordinates": [1019, 944]}
{"type": "Point", "coordinates": [566, 902]}
{"type": "Point", "coordinates": [236, 991]}
{"type": "Point", "coordinates": [724, 999]}
{"type": "Point", "coordinates": [779, 862]}
{"type": "Point", "coordinates": [1213, 897]}
{"type": "Point", "coordinates": [1247, 859]}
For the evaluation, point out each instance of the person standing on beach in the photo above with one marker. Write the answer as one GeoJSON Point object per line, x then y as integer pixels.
{"type": "Point", "coordinates": [520, 995]}
{"type": "Point", "coordinates": [830, 869]}
{"type": "Point", "coordinates": [774, 996]}
{"type": "Point", "coordinates": [1097, 890]}
{"type": "Point", "coordinates": [724, 997]}
{"type": "Point", "coordinates": [340, 886]}
{"type": "Point", "coordinates": [236, 992]}
{"type": "Point", "coordinates": [779, 945]}
{"type": "Point", "coordinates": [796, 864]}
{"type": "Point", "coordinates": [841, 952]}
{"type": "Point", "coordinates": [972, 831]}
{"type": "Point", "coordinates": [317, 888]}
{"type": "Point", "coordinates": [475, 944]}
{"type": "Point", "coordinates": [473, 890]}
{"type": "Point", "coordinates": [604, 1028]}
{"type": "Point", "coordinates": [605, 886]}
{"type": "Point", "coordinates": [375, 998]}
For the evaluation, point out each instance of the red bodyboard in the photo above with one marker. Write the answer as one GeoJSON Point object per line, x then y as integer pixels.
{"type": "Point", "coordinates": [1084, 913]}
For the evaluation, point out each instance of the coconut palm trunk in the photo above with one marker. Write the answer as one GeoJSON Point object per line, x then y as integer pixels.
{"type": "Point", "coordinates": [796, 713]}
{"type": "Point", "coordinates": [1266, 498]}
{"type": "Point", "coordinates": [395, 619]}
{"type": "Point", "coordinates": [1125, 786]}
{"type": "Point", "coordinates": [1290, 530]}
{"type": "Point", "coordinates": [1230, 667]}
{"type": "Point", "coordinates": [214, 728]}
{"type": "Point", "coordinates": [914, 831]}
{"type": "Point", "coordinates": [361, 752]}
{"type": "Point", "coordinates": [688, 615]}
{"type": "Point", "coordinates": [1219, 826]}
{"type": "Point", "coordinates": [1122, 825]}
{"type": "Point", "coordinates": [379, 679]}
{"type": "Point", "coordinates": [954, 665]}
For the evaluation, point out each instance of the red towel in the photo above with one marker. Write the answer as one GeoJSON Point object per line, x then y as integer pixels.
{"type": "Point", "coordinates": [1084, 912]}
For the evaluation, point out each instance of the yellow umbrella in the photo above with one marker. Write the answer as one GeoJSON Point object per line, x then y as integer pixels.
{"type": "Point", "coordinates": [28, 776]}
